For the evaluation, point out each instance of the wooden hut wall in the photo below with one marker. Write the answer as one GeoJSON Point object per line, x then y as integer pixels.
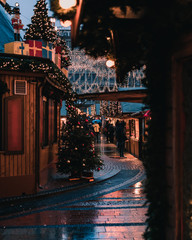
{"type": "Point", "coordinates": [19, 168]}
{"type": "Point", "coordinates": [49, 150]}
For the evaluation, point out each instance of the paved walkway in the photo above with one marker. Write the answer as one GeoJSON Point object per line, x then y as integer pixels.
{"type": "Point", "coordinates": [113, 164]}
{"type": "Point", "coordinates": [111, 207]}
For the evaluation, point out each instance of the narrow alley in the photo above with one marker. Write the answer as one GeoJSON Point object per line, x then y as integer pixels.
{"type": "Point", "coordinates": [111, 207]}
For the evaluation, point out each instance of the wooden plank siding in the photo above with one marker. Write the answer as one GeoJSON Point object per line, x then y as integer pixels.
{"type": "Point", "coordinates": [21, 164]}
{"type": "Point", "coordinates": [22, 172]}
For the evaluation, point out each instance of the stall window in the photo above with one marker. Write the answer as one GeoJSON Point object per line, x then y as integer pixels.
{"type": "Point", "coordinates": [45, 122]}
{"type": "Point", "coordinates": [14, 122]}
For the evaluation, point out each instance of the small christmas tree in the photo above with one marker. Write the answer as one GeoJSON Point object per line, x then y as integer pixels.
{"type": "Point", "coordinates": [40, 27]}
{"type": "Point", "coordinates": [77, 154]}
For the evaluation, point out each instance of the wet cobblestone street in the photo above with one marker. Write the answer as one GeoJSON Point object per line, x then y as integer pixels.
{"type": "Point", "coordinates": [110, 209]}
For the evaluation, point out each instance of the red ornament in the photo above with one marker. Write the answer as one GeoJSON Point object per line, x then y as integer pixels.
{"type": "Point", "coordinates": [86, 120]}
{"type": "Point", "coordinates": [78, 123]}
{"type": "Point", "coordinates": [98, 169]}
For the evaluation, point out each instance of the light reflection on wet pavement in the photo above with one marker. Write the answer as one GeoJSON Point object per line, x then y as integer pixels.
{"type": "Point", "coordinates": [117, 214]}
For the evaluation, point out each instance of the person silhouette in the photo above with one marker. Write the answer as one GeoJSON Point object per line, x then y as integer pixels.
{"type": "Point", "coordinates": [121, 137]}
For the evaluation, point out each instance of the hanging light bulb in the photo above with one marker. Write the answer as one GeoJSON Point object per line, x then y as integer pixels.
{"type": "Point", "coordinates": [67, 3]}
{"type": "Point", "coordinates": [110, 63]}
{"type": "Point", "coordinates": [66, 23]}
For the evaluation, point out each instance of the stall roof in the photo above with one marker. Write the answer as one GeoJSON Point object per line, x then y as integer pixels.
{"type": "Point", "coordinates": [128, 107]}
{"type": "Point", "coordinates": [31, 65]}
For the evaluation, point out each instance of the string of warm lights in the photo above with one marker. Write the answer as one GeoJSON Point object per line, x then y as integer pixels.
{"type": "Point", "coordinates": [90, 75]}
{"type": "Point", "coordinates": [56, 76]}
{"type": "Point", "coordinates": [110, 108]}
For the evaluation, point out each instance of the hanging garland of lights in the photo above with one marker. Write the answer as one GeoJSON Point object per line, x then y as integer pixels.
{"type": "Point", "coordinates": [37, 65]}
{"type": "Point", "coordinates": [94, 72]}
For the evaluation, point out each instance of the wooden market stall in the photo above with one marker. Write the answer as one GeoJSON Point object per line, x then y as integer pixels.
{"type": "Point", "coordinates": [29, 122]}
{"type": "Point", "coordinates": [136, 130]}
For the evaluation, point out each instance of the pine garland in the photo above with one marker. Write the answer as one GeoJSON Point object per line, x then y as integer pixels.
{"type": "Point", "coordinates": [37, 65]}
{"type": "Point", "coordinates": [65, 57]}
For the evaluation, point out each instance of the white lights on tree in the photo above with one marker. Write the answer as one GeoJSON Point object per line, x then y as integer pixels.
{"type": "Point", "coordinates": [66, 4]}
{"type": "Point", "coordinates": [52, 20]}
{"type": "Point", "coordinates": [66, 23]}
{"type": "Point", "coordinates": [110, 63]}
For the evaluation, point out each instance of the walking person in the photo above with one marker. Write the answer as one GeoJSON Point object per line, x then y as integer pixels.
{"type": "Point", "coordinates": [121, 137]}
{"type": "Point", "coordinates": [96, 128]}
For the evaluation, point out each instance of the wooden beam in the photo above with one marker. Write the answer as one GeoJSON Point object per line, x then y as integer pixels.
{"type": "Point", "coordinates": [121, 96]}
{"type": "Point", "coordinates": [76, 23]}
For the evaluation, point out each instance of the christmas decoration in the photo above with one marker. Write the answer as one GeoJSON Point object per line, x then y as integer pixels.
{"type": "Point", "coordinates": [58, 60]}
{"type": "Point", "coordinates": [17, 48]}
{"type": "Point", "coordinates": [39, 65]}
{"type": "Point", "coordinates": [47, 49]}
{"type": "Point", "coordinates": [41, 26]}
{"type": "Point", "coordinates": [35, 48]}
{"type": "Point", "coordinates": [62, 48]}
{"type": "Point", "coordinates": [17, 23]}
{"type": "Point", "coordinates": [77, 155]}
{"type": "Point", "coordinates": [114, 109]}
{"type": "Point", "coordinates": [89, 75]}
{"type": "Point", "coordinates": [104, 109]}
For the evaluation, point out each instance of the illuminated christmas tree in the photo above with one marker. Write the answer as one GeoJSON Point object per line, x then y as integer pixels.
{"type": "Point", "coordinates": [41, 26]}
{"type": "Point", "coordinates": [77, 154]}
